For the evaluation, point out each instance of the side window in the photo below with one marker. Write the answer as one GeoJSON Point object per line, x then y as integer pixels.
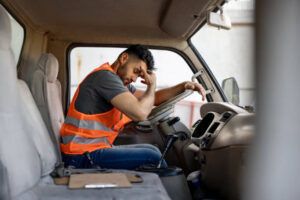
{"type": "Point", "coordinates": [171, 70]}
{"type": "Point", "coordinates": [17, 37]}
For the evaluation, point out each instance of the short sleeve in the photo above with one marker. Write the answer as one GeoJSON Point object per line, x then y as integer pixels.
{"type": "Point", "coordinates": [131, 88]}
{"type": "Point", "coordinates": [107, 84]}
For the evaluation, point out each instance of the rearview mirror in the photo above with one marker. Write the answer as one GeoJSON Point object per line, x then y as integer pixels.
{"type": "Point", "coordinates": [231, 90]}
{"type": "Point", "coordinates": [218, 20]}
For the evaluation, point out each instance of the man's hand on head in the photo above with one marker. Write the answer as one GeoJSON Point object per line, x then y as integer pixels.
{"type": "Point", "coordinates": [149, 78]}
{"type": "Point", "coordinates": [196, 87]}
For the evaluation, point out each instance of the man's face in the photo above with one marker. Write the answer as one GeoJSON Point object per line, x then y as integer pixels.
{"type": "Point", "coordinates": [130, 70]}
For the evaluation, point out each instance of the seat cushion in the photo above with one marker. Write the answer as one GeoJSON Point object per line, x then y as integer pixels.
{"type": "Point", "coordinates": [151, 188]}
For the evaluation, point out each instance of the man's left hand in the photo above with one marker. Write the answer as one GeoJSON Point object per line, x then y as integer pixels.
{"type": "Point", "coordinates": [196, 87]}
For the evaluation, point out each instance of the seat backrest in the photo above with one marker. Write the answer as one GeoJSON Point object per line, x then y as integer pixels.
{"type": "Point", "coordinates": [18, 154]}
{"type": "Point", "coordinates": [46, 90]}
{"type": "Point", "coordinates": [38, 131]}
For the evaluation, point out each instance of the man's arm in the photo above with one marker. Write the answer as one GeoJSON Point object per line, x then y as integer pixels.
{"type": "Point", "coordinates": [168, 93]}
{"type": "Point", "coordinates": [139, 108]}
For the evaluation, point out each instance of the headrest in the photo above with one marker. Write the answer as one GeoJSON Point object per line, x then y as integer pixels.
{"type": "Point", "coordinates": [8, 71]}
{"type": "Point", "coordinates": [5, 30]}
{"type": "Point", "coordinates": [49, 65]}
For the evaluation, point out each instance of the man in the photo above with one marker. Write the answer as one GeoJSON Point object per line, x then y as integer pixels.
{"type": "Point", "coordinates": [104, 102]}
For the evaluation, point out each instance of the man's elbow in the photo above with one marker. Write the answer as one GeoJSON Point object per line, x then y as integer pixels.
{"type": "Point", "coordinates": [140, 116]}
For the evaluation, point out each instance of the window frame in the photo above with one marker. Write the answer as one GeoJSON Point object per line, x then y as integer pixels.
{"type": "Point", "coordinates": [201, 59]}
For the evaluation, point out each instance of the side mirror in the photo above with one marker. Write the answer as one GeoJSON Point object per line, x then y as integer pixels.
{"type": "Point", "coordinates": [231, 90]}
{"type": "Point", "coordinates": [218, 20]}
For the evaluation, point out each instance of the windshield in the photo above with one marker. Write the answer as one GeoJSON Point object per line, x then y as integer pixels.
{"type": "Point", "coordinates": [230, 53]}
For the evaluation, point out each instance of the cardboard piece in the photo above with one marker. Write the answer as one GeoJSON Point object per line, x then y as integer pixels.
{"type": "Point", "coordinates": [61, 180]}
{"type": "Point", "coordinates": [80, 180]}
{"type": "Point", "coordinates": [133, 178]}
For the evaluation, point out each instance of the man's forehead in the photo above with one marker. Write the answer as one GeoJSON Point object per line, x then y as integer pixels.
{"type": "Point", "coordinates": [142, 64]}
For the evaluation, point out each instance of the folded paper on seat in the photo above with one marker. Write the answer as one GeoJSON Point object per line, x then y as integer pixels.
{"type": "Point", "coordinates": [117, 180]}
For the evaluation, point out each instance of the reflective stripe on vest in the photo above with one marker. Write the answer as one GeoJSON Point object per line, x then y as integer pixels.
{"type": "Point", "coordinates": [82, 140]}
{"type": "Point", "coordinates": [86, 124]}
{"type": "Point", "coordinates": [89, 132]}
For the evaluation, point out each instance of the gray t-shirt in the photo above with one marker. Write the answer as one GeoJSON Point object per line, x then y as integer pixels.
{"type": "Point", "coordinates": [97, 90]}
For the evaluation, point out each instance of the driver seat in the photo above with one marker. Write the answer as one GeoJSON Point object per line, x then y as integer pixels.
{"type": "Point", "coordinates": [46, 91]}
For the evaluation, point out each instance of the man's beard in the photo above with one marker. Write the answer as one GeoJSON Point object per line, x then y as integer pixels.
{"type": "Point", "coordinates": [121, 72]}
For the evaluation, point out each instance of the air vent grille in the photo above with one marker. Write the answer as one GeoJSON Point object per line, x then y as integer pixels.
{"type": "Point", "coordinates": [214, 127]}
{"type": "Point", "coordinates": [225, 117]}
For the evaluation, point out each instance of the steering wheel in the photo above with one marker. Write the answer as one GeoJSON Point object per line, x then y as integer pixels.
{"type": "Point", "coordinates": [166, 108]}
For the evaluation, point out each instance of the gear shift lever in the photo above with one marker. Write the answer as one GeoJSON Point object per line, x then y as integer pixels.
{"type": "Point", "coordinates": [170, 140]}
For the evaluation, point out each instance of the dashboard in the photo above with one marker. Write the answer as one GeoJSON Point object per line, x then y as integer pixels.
{"type": "Point", "coordinates": [223, 137]}
{"type": "Point", "coordinates": [223, 125]}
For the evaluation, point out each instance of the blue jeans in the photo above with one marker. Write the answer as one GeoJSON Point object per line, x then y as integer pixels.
{"type": "Point", "coordinates": [118, 157]}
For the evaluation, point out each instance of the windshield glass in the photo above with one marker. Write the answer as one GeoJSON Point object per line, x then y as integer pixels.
{"type": "Point", "coordinates": [230, 53]}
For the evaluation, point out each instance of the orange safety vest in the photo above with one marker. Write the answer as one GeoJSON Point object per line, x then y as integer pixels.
{"type": "Point", "coordinates": [89, 132]}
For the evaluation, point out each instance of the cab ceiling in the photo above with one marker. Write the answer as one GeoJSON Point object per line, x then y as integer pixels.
{"type": "Point", "coordinates": [169, 19]}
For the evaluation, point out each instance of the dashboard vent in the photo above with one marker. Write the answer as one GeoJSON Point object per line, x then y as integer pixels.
{"type": "Point", "coordinates": [225, 117]}
{"type": "Point", "coordinates": [214, 127]}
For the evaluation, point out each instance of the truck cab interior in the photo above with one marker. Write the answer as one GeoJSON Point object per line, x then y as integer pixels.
{"type": "Point", "coordinates": [209, 159]}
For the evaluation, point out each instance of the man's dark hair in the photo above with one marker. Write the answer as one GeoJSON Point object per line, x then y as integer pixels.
{"type": "Point", "coordinates": [142, 53]}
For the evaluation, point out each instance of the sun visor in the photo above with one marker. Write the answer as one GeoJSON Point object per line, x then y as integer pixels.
{"type": "Point", "coordinates": [183, 17]}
